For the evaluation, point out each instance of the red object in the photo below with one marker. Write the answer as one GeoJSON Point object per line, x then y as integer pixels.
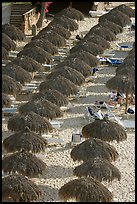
{"type": "Point", "coordinates": [47, 5]}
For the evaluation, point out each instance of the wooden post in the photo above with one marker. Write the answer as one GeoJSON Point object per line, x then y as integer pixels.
{"type": "Point", "coordinates": [70, 4]}
{"type": "Point", "coordinates": [126, 102]}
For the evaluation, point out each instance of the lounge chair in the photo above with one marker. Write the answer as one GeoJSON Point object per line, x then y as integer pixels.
{"type": "Point", "coordinates": [128, 124]}
{"type": "Point", "coordinates": [53, 139]}
{"type": "Point", "coordinates": [76, 139]}
{"type": "Point", "coordinates": [114, 61]}
{"type": "Point", "coordinates": [9, 111]}
{"type": "Point", "coordinates": [56, 124]}
{"type": "Point", "coordinates": [123, 46]}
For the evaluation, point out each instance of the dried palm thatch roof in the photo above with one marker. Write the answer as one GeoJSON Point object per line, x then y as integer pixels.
{"type": "Point", "coordinates": [87, 57]}
{"type": "Point", "coordinates": [125, 9]}
{"type": "Point", "coordinates": [113, 27]}
{"type": "Point", "coordinates": [23, 163]}
{"type": "Point", "coordinates": [65, 22]}
{"type": "Point", "coordinates": [117, 17]}
{"type": "Point", "coordinates": [53, 96]}
{"type": "Point", "coordinates": [73, 75]}
{"type": "Point", "coordinates": [129, 60]}
{"type": "Point", "coordinates": [25, 140]}
{"type": "Point", "coordinates": [13, 32]}
{"type": "Point", "coordinates": [58, 29]}
{"type": "Point", "coordinates": [77, 64]}
{"type": "Point", "coordinates": [85, 190]}
{"type": "Point", "coordinates": [28, 64]}
{"type": "Point", "coordinates": [6, 101]}
{"type": "Point", "coordinates": [37, 54]}
{"type": "Point", "coordinates": [93, 148]}
{"type": "Point", "coordinates": [104, 129]}
{"type": "Point", "coordinates": [99, 169]}
{"type": "Point", "coordinates": [72, 13]}
{"type": "Point", "coordinates": [44, 44]}
{"type": "Point", "coordinates": [17, 73]}
{"type": "Point", "coordinates": [61, 84]}
{"type": "Point", "coordinates": [91, 47]}
{"type": "Point", "coordinates": [8, 43]}
{"type": "Point", "coordinates": [10, 85]}
{"type": "Point", "coordinates": [125, 70]}
{"type": "Point", "coordinates": [20, 189]}
{"type": "Point", "coordinates": [53, 37]}
{"type": "Point", "coordinates": [5, 54]}
{"type": "Point", "coordinates": [30, 119]}
{"type": "Point", "coordinates": [132, 51]}
{"type": "Point", "coordinates": [42, 107]}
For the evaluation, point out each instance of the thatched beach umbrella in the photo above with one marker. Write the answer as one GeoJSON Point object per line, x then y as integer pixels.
{"type": "Point", "coordinates": [87, 57]}
{"type": "Point", "coordinates": [53, 96]}
{"type": "Point", "coordinates": [37, 54]}
{"type": "Point", "coordinates": [77, 64]}
{"type": "Point", "coordinates": [5, 54]}
{"type": "Point", "coordinates": [99, 169]}
{"type": "Point", "coordinates": [69, 73]}
{"type": "Point", "coordinates": [61, 84]}
{"type": "Point", "coordinates": [31, 120]}
{"type": "Point", "coordinates": [53, 37]}
{"type": "Point", "coordinates": [115, 28]}
{"type": "Point", "coordinates": [125, 70]}
{"type": "Point", "coordinates": [85, 190]}
{"type": "Point", "coordinates": [10, 85]}
{"type": "Point", "coordinates": [24, 163]}
{"type": "Point", "coordinates": [44, 44]}
{"type": "Point", "coordinates": [42, 107]}
{"type": "Point", "coordinates": [8, 43]}
{"type": "Point", "coordinates": [13, 32]}
{"type": "Point", "coordinates": [25, 140]}
{"type": "Point", "coordinates": [20, 189]}
{"type": "Point", "coordinates": [104, 129]}
{"type": "Point", "coordinates": [72, 13]}
{"type": "Point", "coordinates": [125, 9]}
{"type": "Point", "coordinates": [124, 84]}
{"type": "Point", "coordinates": [6, 101]}
{"type": "Point", "coordinates": [17, 73]}
{"type": "Point", "coordinates": [128, 61]}
{"type": "Point", "coordinates": [93, 148]}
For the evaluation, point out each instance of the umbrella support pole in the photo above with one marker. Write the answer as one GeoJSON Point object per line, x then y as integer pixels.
{"type": "Point", "coordinates": [126, 103]}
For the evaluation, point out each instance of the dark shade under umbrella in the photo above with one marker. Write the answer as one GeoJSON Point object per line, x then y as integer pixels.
{"type": "Point", "coordinates": [60, 84]}
{"type": "Point", "coordinates": [93, 148]}
{"type": "Point", "coordinates": [23, 163]}
{"type": "Point", "coordinates": [85, 190]}
{"type": "Point", "coordinates": [6, 101]}
{"type": "Point", "coordinates": [5, 54]}
{"type": "Point", "coordinates": [99, 169]}
{"type": "Point", "coordinates": [20, 189]}
{"type": "Point", "coordinates": [8, 43]}
{"type": "Point", "coordinates": [30, 119]}
{"type": "Point", "coordinates": [25, 140]}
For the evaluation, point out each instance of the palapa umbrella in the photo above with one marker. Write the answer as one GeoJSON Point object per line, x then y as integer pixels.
{"type": "Point", "coordinates": [8, 43]}
{"type": "Point", "coordinates": [20, 189]}
{"type": "Point", "coordinates": [115, 28]}
{"type": "Point", "coordinates": [5, 54]}
{"type": "Point", "coordinates": [23, 163]}
{"type": "Point", "coordinates": [42, 107]}
{"type": "Point", "coordinates": [77, 64]}
{"type": "Point", "coordinates": [104, 129]}
{"type": "Point", "coordinates": [6, 101]}
{"type": "Point", "coordinates": [85, 190]}
{"type": "Point", "coordinates": [10, 85]}
{"type": "Point", "coordinates": [124, 84]}
{"type": "Point", "coordinates": [125, 70]}
{"type": "Point", "coordinates": [25, 140]}
{"type": "Point", "coordinates": [93, 148]}
{"type": "Point", "coordinates": [73, 75]}
{"type": "Point", "coordinates": [17, 73]}
{"type": "Point", "coordinates": [61, 84]}
{"type": "Point", "coordinates": [53, 37]}
{"type": "Point", "coordinates": [53, 96]}
{"type": "Point", "coordinates": [125, 9]}
{"type": "Point", "coordinates": [37, 54]}
{"type": "Point", "coordinates": [128, 61]}
{"type": "Point", "coordinates": [13, 32]}
{"type": "Point", "coordinates": [44, 44]}
{"type": "Point", "coordinates": [99, 169]}
{"type": "Point", "coordinates": [31, 120]}
{"type": "Point", "coordinates": [72, 13]}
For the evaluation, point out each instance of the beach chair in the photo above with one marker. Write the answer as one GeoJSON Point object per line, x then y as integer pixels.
{"type": "Point", "coordinates": [123, 46]}
{"type": "Point", "coordinates": [129, 125]}
{"type": "Point", "coordinates": [114, 61]}
{"type": "Point", "coordinates": [76, 139]}
{"type": "Point", "coordinates": [56, 124]}
{"type": "Point", "coordinates": [9, 111]}
{"type": "Point", "coordinates": [53, 139]}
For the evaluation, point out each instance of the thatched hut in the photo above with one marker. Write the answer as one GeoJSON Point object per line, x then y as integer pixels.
{"type": "Point", "coordinates": [69, 73]}
{"type": "Point", "coordinates": [85, 190]}
{"type": "Point", "coordinates": [99, 169]}
{"type": "Point", "coordinates": [6, 101]}
{"type": "Point", "coordinates": [31, 120]}
{"type": "Point", "coordinates": [42, 107]}
{"type": "Point", "coordinates": [5, 54]}
{"type": "Point", "coordinates": [53, 96]}
{"type": "Point", "coordinates": [8, 43]}
{"type": "Point", "coordinates": [25, 140]}
{"type": "Point", "coordinates": [93, 148]}
{"type": "Point", "coordinates": [13, 32]}
{"type": "Point", "coordinates": [10, 85]}
{"type": "Point", "coordinates": [24, 163]}
{"type": "Point", "coordinates": [126, 10]}
{"type": "Point", "coordinates": [17, 73]}
{"type": "Point", "coordinates": [60, 84]}
{"type": "Point", "coordinates": [20, 189]}
{"type": "Point", "coordinates": [113, 27]}
{"type": "Point", "coordinates": [37, 54]}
